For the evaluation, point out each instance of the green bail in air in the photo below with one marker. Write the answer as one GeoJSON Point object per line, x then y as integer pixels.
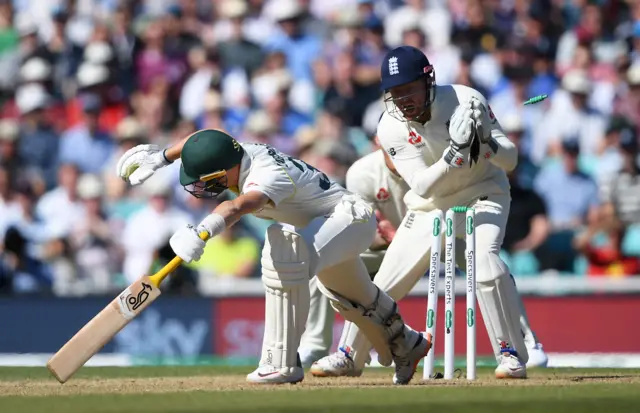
{"type": "Point", "coordinates": [535, 99]}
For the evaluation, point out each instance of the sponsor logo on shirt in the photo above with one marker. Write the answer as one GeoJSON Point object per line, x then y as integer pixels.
{"type": "Point", "coordinates": [492, 117]}
{"type": "Point", "coordinates": [250, 184]}
{"type": "Point", "coordinates": [416, 140]}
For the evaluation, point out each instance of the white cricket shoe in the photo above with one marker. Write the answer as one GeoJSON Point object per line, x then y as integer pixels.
{"type": "Point", "coordinates": [537, 357]}
{"type": "Point", "coordinates": [338, 364]}
{"type": "Point", "coordinates": [510, 366]}
{"type": "Point", "coordinates": [406, 358]}
{"type": "Point", "coordinates": [267, 374]}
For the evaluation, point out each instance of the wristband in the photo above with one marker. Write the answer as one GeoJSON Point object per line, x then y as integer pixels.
{"type": "Point", "coordinates": [214, 224]}
{"type": "Point", "coordinates": [164, 155]}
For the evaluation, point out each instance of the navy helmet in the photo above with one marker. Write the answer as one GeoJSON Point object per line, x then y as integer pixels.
{"type": "Point", "coordinates": [406, 64]}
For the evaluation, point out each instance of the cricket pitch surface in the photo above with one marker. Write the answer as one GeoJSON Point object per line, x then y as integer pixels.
{"type": "Point", "coordinates": [217, 389]}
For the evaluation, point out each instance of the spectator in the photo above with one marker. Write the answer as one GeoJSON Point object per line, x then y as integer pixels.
{"type": "Point", "coordinates": [628, 105]}
{"type": "Point", "coordinates": [150, 228]}
{"type": "Point", "coordinates": [88, 145]}
{"type": "Point", "coordinates": [232, 254]}
{"type": "Point", "coordinates": [570, 116]}
{"type": "Point", "coordinates": [91, 241]}
{"type": "Point", "coordinates": [59, 208]}
{"type": "Point", "coordinates": [526, 171]}
{"type": "Point", "coordinates": [8, 149]}
{"type": "Point", "coordinates": [37, 142]}
{"type": "Point", "coordinates": [571, 199]}
{"type": "Point", "coordinates": [616, 254]}
{"type": "Point", "coordinates": [236, 50]}
{"type": "Point", "coordinates": [300, 48]}
{"type": "Point", "coordinates": [205, 72]}
{"type": "Point", "coordinates": [527, 226]}
{"type": "Point", "coordinates": [621, 193]}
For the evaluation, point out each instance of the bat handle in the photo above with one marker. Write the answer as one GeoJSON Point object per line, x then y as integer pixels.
{"type": "Point", "coordinates": [158, 277]}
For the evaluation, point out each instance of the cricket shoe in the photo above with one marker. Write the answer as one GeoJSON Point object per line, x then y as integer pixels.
{"type": "Point", "coordinates": [338, 364]}
{"type": "Point", "coordinates": [510, 366]}
{"type": "Point", "coordinates": [407, 353]}
{"type": "Point", "coordinates": [268, 374]}
{"type": "Point", "coordinates": [537, 357]}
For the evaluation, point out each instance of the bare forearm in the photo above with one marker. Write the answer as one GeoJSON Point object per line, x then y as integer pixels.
{"type": "Point", "coordinates": [230, 212]}
{"type": "Point", "coordinates": [379, 243]}
{"type": "Point", "coordinates": [173, 152]}
{"type": "Point", "coordinates": [539, 231]}
{"type": "Point", "coordinates": [245, 204]}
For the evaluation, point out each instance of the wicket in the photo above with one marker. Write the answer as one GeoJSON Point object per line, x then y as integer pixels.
{"type": "Point", "coordinates": [449, 290]}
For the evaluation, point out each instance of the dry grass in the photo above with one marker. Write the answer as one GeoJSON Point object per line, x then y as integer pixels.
{"type": "Point", "coordinates": [234, 382]}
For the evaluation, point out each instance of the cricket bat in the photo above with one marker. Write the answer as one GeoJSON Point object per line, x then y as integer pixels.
{"type": "Point", "coordinates": [108, 322]}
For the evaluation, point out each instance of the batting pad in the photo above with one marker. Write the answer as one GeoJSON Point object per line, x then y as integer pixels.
{"type": "Point", "coordinates": [498, 301]}
{"type": "Point", "coordinates": [380, 322]}
{"type": "Point", "coordinates": [285, 275]}
{"type": "Point", "coordinates": [354, 343]}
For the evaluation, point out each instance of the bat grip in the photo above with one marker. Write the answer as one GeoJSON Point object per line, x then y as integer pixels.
{"type": "Point", "coordinates": [158, 277]}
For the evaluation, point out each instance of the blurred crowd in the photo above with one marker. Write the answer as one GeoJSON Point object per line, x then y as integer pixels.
{"type": "Point", "coordinates": [84, 80]}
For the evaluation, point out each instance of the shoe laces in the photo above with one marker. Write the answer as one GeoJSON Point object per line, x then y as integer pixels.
{"type": "Point", "coordinates": [269, 368]}
{"type": "Point", "coordinates": [340, 359]}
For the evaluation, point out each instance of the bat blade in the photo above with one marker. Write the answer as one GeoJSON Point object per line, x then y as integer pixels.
{"type": "Point", "coordinates": [102, 328]}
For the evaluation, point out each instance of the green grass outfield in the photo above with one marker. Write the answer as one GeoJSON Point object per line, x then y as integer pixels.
{"type": "Point", "coordinates": [223, 389]}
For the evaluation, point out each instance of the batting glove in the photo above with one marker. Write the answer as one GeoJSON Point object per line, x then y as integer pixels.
{"type": "Point", "coordinates": [187, 244]}
{"type": "Point", "coordinates": [140, 162]}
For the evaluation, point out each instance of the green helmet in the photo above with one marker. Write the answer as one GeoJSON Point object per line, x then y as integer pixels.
{"type": "Point", "coordinates": [206, 156]}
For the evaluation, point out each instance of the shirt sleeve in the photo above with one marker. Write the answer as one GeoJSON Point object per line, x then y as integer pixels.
{"type": "Point", "coordinates": [505, 153]}
{"type": "Point", "coordinates": [594, 198]}
{"type": "Point", "coordinates": [408, 160]}
{"type": "Point", "coordinates": [537, 205]}
{"type": "Point", "coordinates": [607, 190]}
{"type": "Point", "coordinates": [273, 181]}
{"type": "Point", "coordinates": [359, 183]}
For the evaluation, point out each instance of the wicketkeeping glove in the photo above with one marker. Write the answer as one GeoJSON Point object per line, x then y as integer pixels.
{"type": "Point", "coordinates": [482, 120]}
{"type": "Point", "coordinates": [461, 131]}
{"type": "Point", "coordinates": [462, 126]}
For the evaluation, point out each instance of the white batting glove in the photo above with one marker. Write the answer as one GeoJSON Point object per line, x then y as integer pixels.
{"type": "Point", "coordinates": [187, 244]}
{"type": "Point", "coordinates": [140, 162]}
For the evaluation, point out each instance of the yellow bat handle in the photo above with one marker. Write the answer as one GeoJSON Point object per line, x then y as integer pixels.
{"type": "Point", "coordinates": [158, 277]}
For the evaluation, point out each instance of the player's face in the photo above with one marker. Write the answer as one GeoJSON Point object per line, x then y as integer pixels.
{"type": "Point", "coordinates": [410, 98]}
{"type": "Point", "coordinates": [210, 187]}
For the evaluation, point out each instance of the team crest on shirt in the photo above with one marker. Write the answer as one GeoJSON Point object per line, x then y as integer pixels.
{"type": "Point", "coordinates": [382, 194]}
{"type": "Point", "coordinates": [416, 140]}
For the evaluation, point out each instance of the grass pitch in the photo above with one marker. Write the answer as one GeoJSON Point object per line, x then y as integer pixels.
{"type": "Point", "coordinates": [216, 389]}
